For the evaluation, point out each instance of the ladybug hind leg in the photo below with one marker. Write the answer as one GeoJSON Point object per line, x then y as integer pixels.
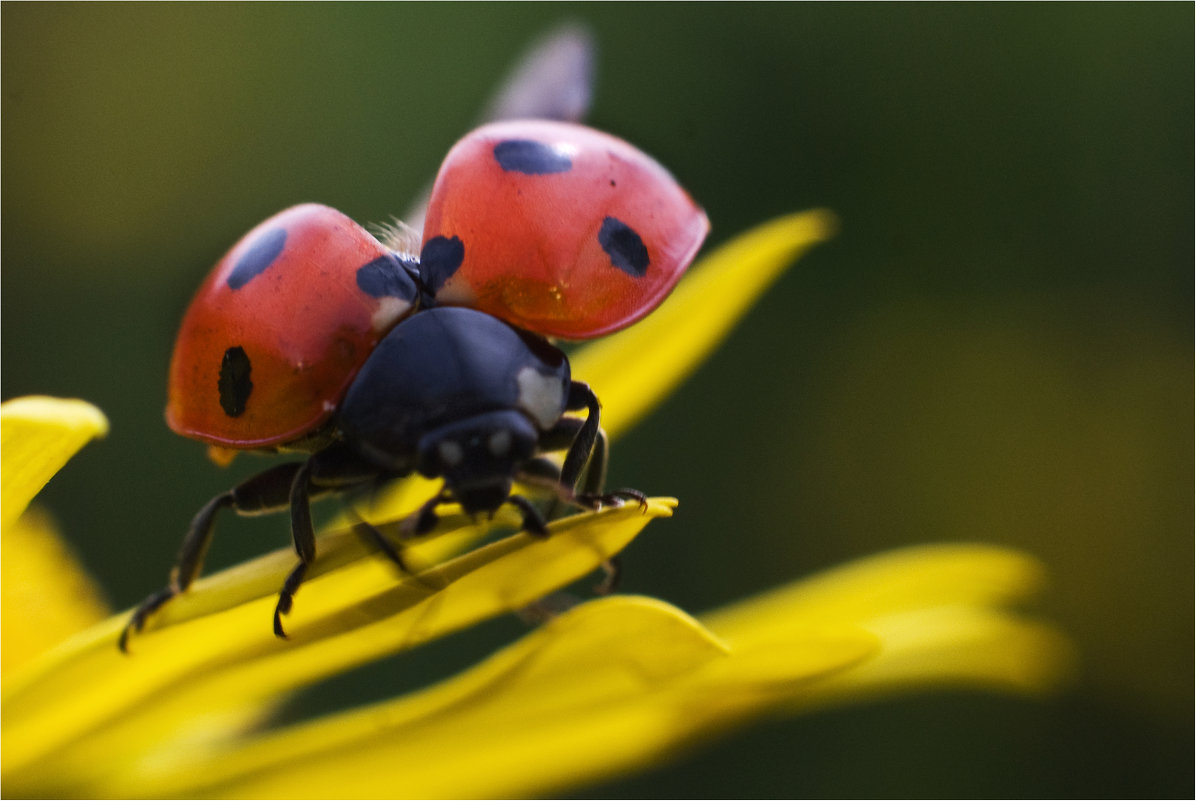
{"type": "Point", "coordinates": [268, 491]}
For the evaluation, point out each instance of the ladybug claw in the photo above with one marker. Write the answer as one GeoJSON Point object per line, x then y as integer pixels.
{"type": "Point", "coordinates": [616, 499]}
{"type": "Point", "coordinates": [279, 632]}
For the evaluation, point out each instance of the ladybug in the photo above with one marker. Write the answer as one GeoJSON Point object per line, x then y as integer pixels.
{"type": "Point", "coordinates": [312, 336]}
{"type": "Point", "coordinates": [556, 228]}
{"type": "Point", "coordinates": [448, 392]}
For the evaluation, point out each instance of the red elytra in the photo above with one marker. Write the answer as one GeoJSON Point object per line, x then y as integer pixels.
{"type": "Point", "coordinates": [280, 327]}
{"type": "Point", "coordinates": [557, 228]}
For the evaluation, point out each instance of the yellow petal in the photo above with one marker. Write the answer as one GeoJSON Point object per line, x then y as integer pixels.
{"type": "Point", "coordinates": [45, 595]}
{"type": "Point", "coordinates": [635, 369]}
{"type": "Point", "coordinates": [913, 578]}
{"type": "Point", "coordinates": [967, 647]}
{"type": "Point", "coordinates": [37, 437]}
{"type": "Point", "coordinates": [106, 704]}
{"type": "Point", "coordinates": [937, 611]}
{"type": "Point", "coordinates": [606, 686]}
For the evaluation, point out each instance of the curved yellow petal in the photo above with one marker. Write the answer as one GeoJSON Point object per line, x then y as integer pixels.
{"type": "Point", "coordinates": [955, 647]}
{"type": "Point", "coordinates": [587, 650]}
{"type": "Point", "coordinates": [937, 610]}
{"type": "Point", "coordinates": [608, 685]}
{"type": "Point", "coordinates": [634, 370]}
{"type": "Point", "coordinates": [37, 437]}
{"type": "Point", "coordinates": [912, 578]}
{"type": "Point", "coordinates": [45, 595]}
{"type": "Point", "coordinates": [105, 704]}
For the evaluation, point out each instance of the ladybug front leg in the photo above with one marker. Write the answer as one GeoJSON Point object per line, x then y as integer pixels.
{"type": "Point", "coordinates": [581, 397]}
{"type": "Point", "coordinates": [587, 450]}
{"type": "Point", "coordinates": [266, 492]}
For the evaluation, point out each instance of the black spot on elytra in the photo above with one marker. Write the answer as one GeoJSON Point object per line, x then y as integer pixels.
{"type": "Point", "coordinates": [624, 246]}
{"type": "Point", "coordinates": [438, 261]}
{"type": "Point", "coordinates": [234, 383]}
{"type": "Point", "coordinates": [531, 158]}
{"type": "Point", "coordinates": [260, 255]}
{"type": "Point", "coordinates": [386, 277]}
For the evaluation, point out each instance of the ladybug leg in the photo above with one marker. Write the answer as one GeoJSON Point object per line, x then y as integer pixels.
{"type": "Point", "coordinates": [589, 445]}
{"type": "Point", "coordinates": [425, 518]}
{"type": "Point", "coordinates": [330, 470]}
{"type": "Point", "coordinates": [612, 572]}
{"type": "Point", "coordinates": [561, 437]}
{"type": "Point", "coordinates": [581, 397]}
{"type": "Point", "coordinates": [266, 492]}
{"type": "Point", "coordinates": [303, 534]}
{"type": "Point", "coordinates": [369, 534]}
{"type": "Point", "coordinates": [544, 472]}
{"type": "Point", "coordinates": [533, 521]}
{"type": "Point", "coordinates": [588, 450]}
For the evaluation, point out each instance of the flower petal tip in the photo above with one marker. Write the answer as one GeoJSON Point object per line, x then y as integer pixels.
{"type": "Point", "coordinates": [67, 414]}
{"type": "Point", "coordinates": [38, 435]}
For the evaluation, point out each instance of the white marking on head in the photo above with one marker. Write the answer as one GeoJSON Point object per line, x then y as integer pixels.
{"type": "Point", "coordinates": [540, 396]}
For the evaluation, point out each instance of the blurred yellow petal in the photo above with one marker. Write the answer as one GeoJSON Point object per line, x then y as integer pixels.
{"type": "Point", "coordinates": [45, 595]}
{"type": "Point", "coordinates": [939, 612]}
{"type": "Point", "coordinates": [37, 437]}
{"type": "Point", "coordinates": [950, 647]}
{"type": "Point", "coordinates": [634, 370]}
{"type": "Point", "coordinates": [104, 703]}
{"type": "Point", "coordinates": [917, 577]}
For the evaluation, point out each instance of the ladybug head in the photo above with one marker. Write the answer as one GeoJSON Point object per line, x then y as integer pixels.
{"type": "Point", "coordinates": [479, 456]}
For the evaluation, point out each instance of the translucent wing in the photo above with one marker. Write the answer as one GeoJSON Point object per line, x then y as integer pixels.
{"type": "Point", "coordinates": [554, 80]}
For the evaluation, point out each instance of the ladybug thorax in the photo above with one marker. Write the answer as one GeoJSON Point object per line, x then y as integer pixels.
{"type": "Point", "coordinates": [454, 392]}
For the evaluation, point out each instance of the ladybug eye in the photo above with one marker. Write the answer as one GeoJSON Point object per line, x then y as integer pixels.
{"type": "Point", "coordinates": [532, 158]}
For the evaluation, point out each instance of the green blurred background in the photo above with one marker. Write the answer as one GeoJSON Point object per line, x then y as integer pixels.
{"type": "Point", "coordinates": [996, 347]}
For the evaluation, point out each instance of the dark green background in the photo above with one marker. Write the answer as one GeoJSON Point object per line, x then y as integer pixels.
{"type": "Point", "coordinates": [997, 347]}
